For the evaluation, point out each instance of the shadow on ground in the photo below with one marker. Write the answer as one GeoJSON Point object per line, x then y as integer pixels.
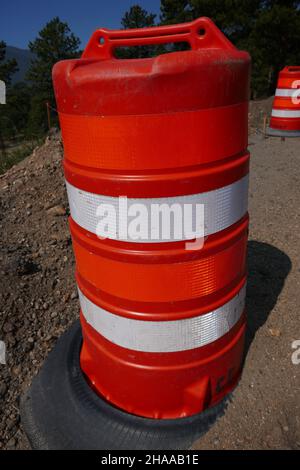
{"type": "Point", "coordinates": [268, 268]}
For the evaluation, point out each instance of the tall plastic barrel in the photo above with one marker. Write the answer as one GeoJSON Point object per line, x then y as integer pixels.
{"type": "Point", "coordinates": [151, 144]}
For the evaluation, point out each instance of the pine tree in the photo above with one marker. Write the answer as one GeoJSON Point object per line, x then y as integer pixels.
{"type": "Point", "coordinates": [7, 69]}
{"type": "Point", "coordinates": [274, 43]}
{"type": "Point", "coordinates": [175, 11]}
{"type": "Point", "coordinates": [54, 42]}
{"type": "Point", "coordinates": [18, 106]}
{"type": "Point", "coordinates": [136, 17]}
{"type": "Point", "coordinates": [172, 12]}
{"type": "Point", "coordinates": [268, 29]}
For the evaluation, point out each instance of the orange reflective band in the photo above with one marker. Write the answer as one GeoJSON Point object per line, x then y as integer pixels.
{"type": "Point", "coordinates": [287, 103]}
{"type": "Point", "coordinates": [140, 142]}
{"type": "Point", "coordinates": [164, 282]}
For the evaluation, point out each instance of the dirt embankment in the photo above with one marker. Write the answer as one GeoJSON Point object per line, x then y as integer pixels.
{"type": "Point", "coordinates": [38, 295]}
{"type": "Point", "coordinates": [258, 111]}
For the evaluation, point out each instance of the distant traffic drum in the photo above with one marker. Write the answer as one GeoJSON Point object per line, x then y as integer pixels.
{"type": "Point", "coordinates": [285, 119]}
{"type": "Point", "coordinates": [163, 324]}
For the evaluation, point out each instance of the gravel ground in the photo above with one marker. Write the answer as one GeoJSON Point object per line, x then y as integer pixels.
{"type": "Point", "coordinates": [38, 298]}
{"type": "Point", "coordinates": [265, 410]}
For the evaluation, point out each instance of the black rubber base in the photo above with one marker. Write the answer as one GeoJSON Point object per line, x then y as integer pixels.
{"type": "Point", "coordinates": [278, 133]}
{"type": "Point", "coordinates": [61, 411]}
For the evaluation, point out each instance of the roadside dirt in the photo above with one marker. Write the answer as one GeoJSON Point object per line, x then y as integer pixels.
{"type": "Point", "coordinates": [265, 410]}
{"type": "Point", "coordinates": [258, 111]}
{"type": "Point", "coordinates": [38, 297]}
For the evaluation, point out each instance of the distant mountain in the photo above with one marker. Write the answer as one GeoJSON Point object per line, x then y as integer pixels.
{"type": "Point", "coordinates": [23, 57]}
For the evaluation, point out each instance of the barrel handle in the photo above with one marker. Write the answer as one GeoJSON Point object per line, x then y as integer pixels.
{"type": "Point", "coordinates": [201, 33]}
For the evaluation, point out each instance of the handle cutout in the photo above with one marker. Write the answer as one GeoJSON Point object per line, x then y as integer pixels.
{"type": "Point", "coordinates": [149, 51]}
{"type": "Point", "coordinates": [201, 32]}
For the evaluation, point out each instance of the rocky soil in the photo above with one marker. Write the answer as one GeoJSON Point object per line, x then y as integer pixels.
{"type": "Point", "coordinates": [259, 111]}
{"type": "Point", "coordinates": [38, 297]}
{"type": "Point", "coordinates": [265, 411]}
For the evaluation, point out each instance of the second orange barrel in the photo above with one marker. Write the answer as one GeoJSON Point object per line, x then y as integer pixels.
{"type": "Point", "coordinates": [285, 118]}
{"type": "Point", "coordinates": [163, 319]}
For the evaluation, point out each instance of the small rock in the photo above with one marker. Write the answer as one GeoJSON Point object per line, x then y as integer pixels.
{"type": "Point", "coordinates": [56, 211]}
{"type": "Point", "coordinates": [16, 370]}
{"type": "Point", "coordinates": [3, 389]}
{"type": "Point", "coordinates": [10, 424]}
{"type": "Point", "coordinates": [11, 443]}
{"type": "Point", "coordinates": [8, 327]}
{"type": "Point", "coordinates": [18, 183]}
{"type": "Point", "coordinates": [11, 340]}
{"type": "Point", "coordinates": [275, 332]}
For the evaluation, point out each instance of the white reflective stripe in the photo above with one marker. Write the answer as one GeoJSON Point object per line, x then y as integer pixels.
{"type": "Point", "coordinates": [222, 208]}
{"type": "Point", "coordinates": [164, 336]}
{"type": "Point", "coordinates": [288, 92]}
{"type": "Point", "coordinates": [282, 113]}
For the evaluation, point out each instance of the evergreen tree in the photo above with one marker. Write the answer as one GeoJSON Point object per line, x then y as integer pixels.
{"type": "Point", "coordinates": [7, 69]}
{"type": "Point", "coordinates": [54, 42]}
{"type": "Point", "coordinates": [268, 29]}
{"type": "Point", "coordinates": [175, 11]}
{"type": "Point", "coordinates": [274, 43]}
{"type": "Point", "coordinates": [14, 116]}
{"type": "Point", "coordinates": [19, 105]}
{"type": "Point", "coordinates": [136, 17]}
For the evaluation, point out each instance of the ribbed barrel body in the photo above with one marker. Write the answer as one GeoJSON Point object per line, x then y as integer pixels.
{"type": "Point", "coordinates": [156, 168]}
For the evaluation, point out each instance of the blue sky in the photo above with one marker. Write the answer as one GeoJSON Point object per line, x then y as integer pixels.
{"type": "Point", "coordinates": [21, 20]}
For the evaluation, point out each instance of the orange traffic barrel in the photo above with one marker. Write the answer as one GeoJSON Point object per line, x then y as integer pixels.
{"type": "Point", "coordinates": [285, 118]}
{"type": "Point", "coordinates": [156, 167]}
